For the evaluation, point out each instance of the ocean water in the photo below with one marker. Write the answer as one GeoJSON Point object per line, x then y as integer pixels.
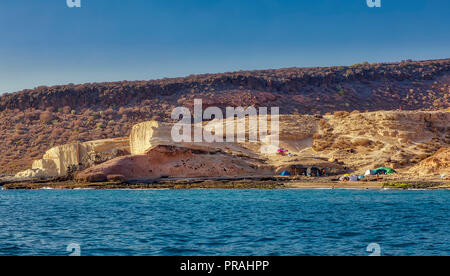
{"type": "Point", "coordinates": [224, 222]}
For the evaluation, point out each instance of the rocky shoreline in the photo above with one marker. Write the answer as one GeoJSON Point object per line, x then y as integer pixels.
{"type": "Point", "coordinates": [229, 183]}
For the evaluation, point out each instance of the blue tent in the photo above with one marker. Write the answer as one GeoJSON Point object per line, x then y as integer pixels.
{"type": "Point", "coordinates": [286, 173]}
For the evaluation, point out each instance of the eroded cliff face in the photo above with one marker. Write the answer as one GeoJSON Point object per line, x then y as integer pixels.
{"type": "Point", "coordinates": [398, 139]}
{"type": "Point", "coordinates": [356, 141]}
{"type": "Point", "coordinates": [57, 161]}
{"type": "Point", "coordinates": [146, 134]}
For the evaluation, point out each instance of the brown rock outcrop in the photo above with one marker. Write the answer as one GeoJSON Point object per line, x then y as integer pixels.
{"type": "Point", "coordinates": [175, 162]}
{"type": "Point", "coordinates": [438, 164]}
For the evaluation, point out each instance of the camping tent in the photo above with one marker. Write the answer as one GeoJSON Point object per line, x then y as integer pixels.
{"type": "Point", "coordinates": [370, 172]}
{"type": "Point", "coordinates": [385, 170]}
{"type": "Point", "coordinates": [286, 173]}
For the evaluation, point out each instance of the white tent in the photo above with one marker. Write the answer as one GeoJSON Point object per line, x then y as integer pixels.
{"type": "Point", "coordinates": [369, 172]}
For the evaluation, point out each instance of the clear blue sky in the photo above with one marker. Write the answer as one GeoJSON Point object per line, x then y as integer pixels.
{"type": "Point", "coordinates": [45, 42]}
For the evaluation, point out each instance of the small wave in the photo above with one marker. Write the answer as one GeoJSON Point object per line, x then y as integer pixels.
{"type": "Point", "coordinates": [350, 234]}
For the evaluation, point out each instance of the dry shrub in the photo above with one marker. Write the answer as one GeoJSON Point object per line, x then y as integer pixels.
{"type": "Point", "coordinates": [88, 112]}
{"type": "Point", "coordinates": [109, 112]}
{"type": "Point", "coordinates": [66, 109]}
{"type": "Point", "coordinates": [46, 117]}
{"type": "Point", "coordinates": [77, 123]}
{"type": "Point", "coordinates": [32, 115]}
{"type": "Point", "coordinates": [122, 111]}
{"type": "Point", "coordinates": [56, 132]}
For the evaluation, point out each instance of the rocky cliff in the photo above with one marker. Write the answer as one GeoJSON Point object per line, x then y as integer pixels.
{"type": "Point", "coordinates": [31, 121]}
{"type": "Point", "coordinates": [340, 142]}
{"type": "Point", "coordinates": [61, 160]}
{"type": "Point", "coordinates": [367, 83]}
{"type": "Point", "coordinates": [392, 138]}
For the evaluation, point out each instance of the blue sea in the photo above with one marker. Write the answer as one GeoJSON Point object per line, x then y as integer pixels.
{"type": "Point", "coordinates": [224, 222]}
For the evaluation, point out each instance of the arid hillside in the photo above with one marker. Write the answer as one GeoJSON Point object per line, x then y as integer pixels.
{"type": "Point", "coordinates": [32, 121]}
{"type": "Point", "coordinates": [340, 143]}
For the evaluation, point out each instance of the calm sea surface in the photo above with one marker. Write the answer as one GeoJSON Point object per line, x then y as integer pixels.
{"type": "Point", "coordinates": [224, 222]}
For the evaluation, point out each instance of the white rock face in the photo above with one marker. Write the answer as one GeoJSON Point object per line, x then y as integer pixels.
{"type": "Point", "coordinates": [46, 165]}
{"type": "Point", "coordinates": [32, 173]}
{"type": "Point", "coordinates": [145, 135]}
{"type": "Point", "coordinates": [56, 161]}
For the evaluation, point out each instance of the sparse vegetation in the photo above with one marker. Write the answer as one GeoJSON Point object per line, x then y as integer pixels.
{"type": "Point", "coordinates": [411, 185]}
{"type": "Point", "coordinates": [31, 121]}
